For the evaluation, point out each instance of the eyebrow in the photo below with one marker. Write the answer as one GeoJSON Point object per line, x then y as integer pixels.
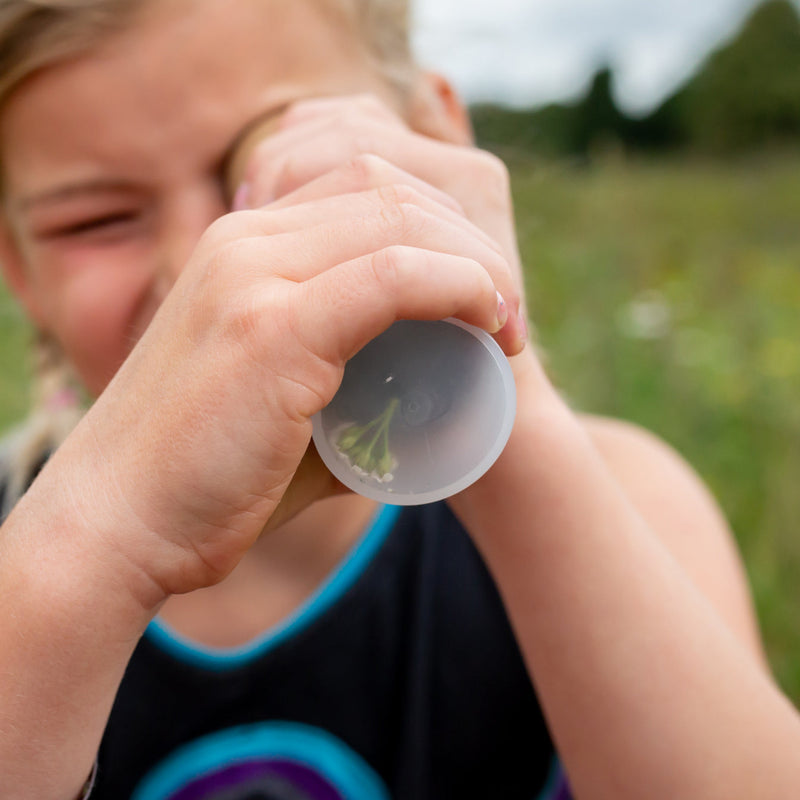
{"type": "Point", "coordinates": [70, 190]}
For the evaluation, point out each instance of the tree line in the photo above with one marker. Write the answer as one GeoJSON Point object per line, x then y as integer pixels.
{"type": "Point", "coordinates": [744, 97]}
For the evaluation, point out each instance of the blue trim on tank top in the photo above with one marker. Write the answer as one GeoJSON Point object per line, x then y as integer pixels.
{"type": "Point", "coordinates": [330, 591]}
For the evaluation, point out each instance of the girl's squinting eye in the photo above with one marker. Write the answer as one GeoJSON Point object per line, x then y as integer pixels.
{"type": "Point", "coordinates": [96, 227]}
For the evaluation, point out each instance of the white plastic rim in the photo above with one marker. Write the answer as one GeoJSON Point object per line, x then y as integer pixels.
{"type": "Point", "coordinates": [502, 378]}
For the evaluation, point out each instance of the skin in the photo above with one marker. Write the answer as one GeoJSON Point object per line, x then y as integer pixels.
{"type": "Point", "coordinates": [210, 339]}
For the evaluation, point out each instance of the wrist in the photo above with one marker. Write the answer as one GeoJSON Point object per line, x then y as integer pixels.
{"type": "Point", "coordinates": [70, 627]}
{"type": "Point", "coordinates": [78, 554]}
{"type": "Point", "coordinates": [532, 472]}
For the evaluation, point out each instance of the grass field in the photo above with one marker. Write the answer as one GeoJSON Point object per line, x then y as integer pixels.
{"type": "Point", "coordinates": [669, 294]}
{"type": "Point", "coordinates": [666, 293]}
{"type": "Point", "coordinates": [14, 364]}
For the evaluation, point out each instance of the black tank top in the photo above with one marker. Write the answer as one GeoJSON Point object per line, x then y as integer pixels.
{"type": "Point", "coordinates": [400, 678]}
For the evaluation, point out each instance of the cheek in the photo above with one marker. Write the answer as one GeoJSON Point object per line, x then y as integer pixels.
{"type": "Point", "coordinates": [98, 317]}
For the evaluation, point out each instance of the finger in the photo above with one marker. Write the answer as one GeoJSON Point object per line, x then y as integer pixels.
{"type": "Point", "coordinates": [399, 202]}
{"type": "Point", "coordinates": [317, 137]}
{"type": "Point", "coordinates": [300, 123]}
{"type": "Point", "coordinates": [257, 159]}
{"type": "Point", "coordinates": [293, 157]}
{"type": "Point", "coordinates": [301, 255]}
{"type": "Point", "coordinates": [359, 299]}
{"type": "Point", "coordinates": [292, 123]}
{"type": "Point", "coordinates": [362, 173]}
{"type": "Point", "coordinates": [283, 243]}
{"type": "Point", "coordinates": [365, 105]}
{"type": "Point", "coordinates": [476, 180]}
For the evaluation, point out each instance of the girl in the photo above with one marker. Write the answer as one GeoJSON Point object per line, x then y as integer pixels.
{"type": "Point", "coordinates": [185, 591]}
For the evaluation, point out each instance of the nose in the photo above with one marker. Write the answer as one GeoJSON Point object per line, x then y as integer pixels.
{"type": "Point", "coordinates": [185, 217]}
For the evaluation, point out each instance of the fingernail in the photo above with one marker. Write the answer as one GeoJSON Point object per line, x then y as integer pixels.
{"type": "Point", "coordinates": [502, 311]}
{"type": "Point", "coordinates": [241, 199]}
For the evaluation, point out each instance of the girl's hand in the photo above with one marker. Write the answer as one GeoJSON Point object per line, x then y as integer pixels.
{"type": "Point", "coordinates": [338, 144]}
{"type": "Point", "coordinates": [323, 148]}
{"type": "Point", "coordinates": [185, 457]}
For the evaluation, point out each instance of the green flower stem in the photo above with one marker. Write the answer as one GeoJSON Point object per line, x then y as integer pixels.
{"type": "Point", "coordinates": [367, 446]}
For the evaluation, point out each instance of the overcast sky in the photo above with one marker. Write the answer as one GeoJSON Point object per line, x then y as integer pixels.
{"type": "Point", "coordinates": [527, 52]}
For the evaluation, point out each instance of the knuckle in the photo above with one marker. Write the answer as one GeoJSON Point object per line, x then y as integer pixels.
{"type": "Point", "coordinates": [377, 108]}
{"type": "Point", "coordinates": [242, 323]}
{"type": "Point", "coordinates": [289, 174]}
{"type": "Point", "coordinates": [217, 233]}
{"type": "Point", "coordinates": [215, 280]}
{"type": "Point", "coordinates": [230, 252]}
{"type": "Point", "coordinates": [365, 170]}
{"type": "Point", "coordinates": [492, 164]}
{"type": "Point", "coordinates": [404, 220]}
{"type": "Point", "coordinates": [387, 267]}
{"type": "Point", "coordinates": [495, 173]}
{"type": "Point", "coordinates": [355, 109]}
{"type": "Point", "coordinates": [248, 318]}
{"type": "Point", "coordinates": [397, 194]}
{"type": "Point", "coordinates": [344, 119]}
{"type": "Point", "coordinates": [477, 281]}
{"type": "Point", "coordinates": [364, 134]}
{"type": "Point", "coordinates": [368, 101]}
{"type": "Point", "coordinates": [495, 262]}
{"type": "Point", "coordinates": [362, 139]}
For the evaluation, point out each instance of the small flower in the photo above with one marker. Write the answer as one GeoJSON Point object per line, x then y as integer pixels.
{"type": "Point", "coordinates": [648, 316]}
{"type": "Point", "coordinates": [366, 447]}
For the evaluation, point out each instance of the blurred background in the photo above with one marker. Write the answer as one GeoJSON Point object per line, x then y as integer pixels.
{"type": "Point", "coordinates": [654, 147]}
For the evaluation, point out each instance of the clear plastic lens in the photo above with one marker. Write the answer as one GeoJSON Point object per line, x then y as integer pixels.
{"type": "Point", "coordinates": [423, 411]}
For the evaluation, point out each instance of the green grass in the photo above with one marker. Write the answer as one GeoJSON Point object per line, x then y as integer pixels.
{"type": "Point", "coordinates": [15, 337]}
{"type": "Point", "coordinates": [666, 293]}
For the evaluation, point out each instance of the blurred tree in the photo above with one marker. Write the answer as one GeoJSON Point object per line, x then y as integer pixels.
{"type": "Point", "coordinates": [745, 96]}
{"type": "Point", "coordinates": [748, 93]}
{"type": "Point", "coordinates": [597, 122]}
{"type": "Point", "coordinates": [497, 126]}
{"type": "Point", "coordinates": [593, 123]}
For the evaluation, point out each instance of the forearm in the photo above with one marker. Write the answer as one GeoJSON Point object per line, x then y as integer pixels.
{"type": "Point", "coordinates": [68, 628]}
{"type": "Point", "coordinates": [647, 691]}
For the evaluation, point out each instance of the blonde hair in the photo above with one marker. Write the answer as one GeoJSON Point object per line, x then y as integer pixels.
{"type": "Point", "coordinates": [35, 34]}
{"type": "Point", "coordinates": [385, 28]}
{"type": "Point", "coordinates": [57, 409]}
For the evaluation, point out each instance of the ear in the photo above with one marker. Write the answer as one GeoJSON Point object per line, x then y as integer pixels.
{"type": "Point", "coordinates": [16, 277]}
{"type": "Point", "coordinates": [436, 110]}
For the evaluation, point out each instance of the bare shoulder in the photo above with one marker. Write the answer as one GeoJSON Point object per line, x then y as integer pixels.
{"type": "Point", "coordinates": [681, 510]}
{"type": "Point", "coordinates": [659, 480]}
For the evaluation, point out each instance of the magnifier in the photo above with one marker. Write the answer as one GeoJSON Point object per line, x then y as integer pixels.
{"type": "Point", "coordinates": [423, 411]}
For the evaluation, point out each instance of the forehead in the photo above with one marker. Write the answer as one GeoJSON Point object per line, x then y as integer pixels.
{"type": "Point", "coordinates": [182, 69]}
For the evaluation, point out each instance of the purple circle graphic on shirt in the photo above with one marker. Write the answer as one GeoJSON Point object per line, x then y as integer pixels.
{"type": "Point", "coordinates": [263, 761]}
{"type": "Point", "coordinates": [272, 779]}
{"type": "Point", "coordinates": [559, 788]}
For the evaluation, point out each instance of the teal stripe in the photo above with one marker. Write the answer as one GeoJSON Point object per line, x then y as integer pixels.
{"type": "Point", "coordinates": [324, 753]}
{"type": "Point", "coordinates": [555, 780]}
{"type": "Point", "coordinates": [334, 587]}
